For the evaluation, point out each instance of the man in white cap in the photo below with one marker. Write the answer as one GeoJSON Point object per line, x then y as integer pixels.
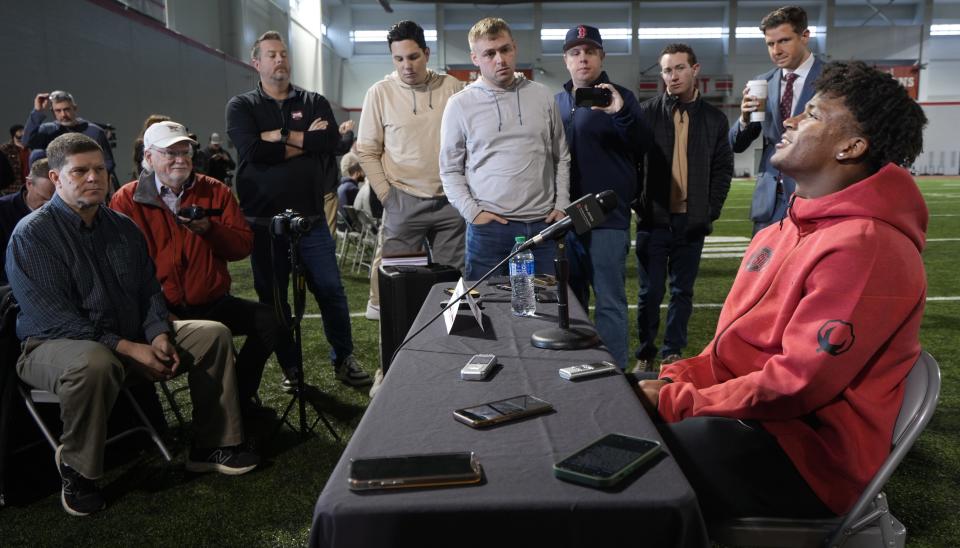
{"type": "Point", "coordinates": [193, 227]}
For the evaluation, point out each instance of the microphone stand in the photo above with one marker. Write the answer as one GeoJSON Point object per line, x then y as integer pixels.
{"type": "Point", "coordinates": [564, 337]}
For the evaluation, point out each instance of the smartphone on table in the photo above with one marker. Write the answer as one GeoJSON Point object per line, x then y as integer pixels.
{"type": "Point", "coordinates": [405, 471]}
{"type": "Point", "coordinates": [495, 412]}
{"type": "Point", "coordinates": [607, 461]}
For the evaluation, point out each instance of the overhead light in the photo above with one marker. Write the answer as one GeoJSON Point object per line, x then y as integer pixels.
{"type": "Point", "coordinates": [381, 35]}
{"type": "Point", "coordinates": [754, 32]}
{"type": "Point", "coordinates": [944, 30]}
{"type": "Point", "coordinates": [606, 34]}
{"type": "Point", "coordinates": [666, 33]}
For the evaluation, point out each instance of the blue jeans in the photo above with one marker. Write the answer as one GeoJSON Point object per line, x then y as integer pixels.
{"type": "Point", "coordinates": [598, 258]}
{"type": "Point", "coordinates": [317, 252]}
{"type": "Point", "coordinates": [488, 244]}
{"type": "Point", "coordinates": [662, 252]}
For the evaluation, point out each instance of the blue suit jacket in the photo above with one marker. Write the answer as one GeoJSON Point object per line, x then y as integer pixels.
{"type": "Point", "coordinates": [765, 194]}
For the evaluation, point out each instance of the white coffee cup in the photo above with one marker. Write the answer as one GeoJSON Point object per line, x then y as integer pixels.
{"type": "Point", "coordinates": [758, 89]}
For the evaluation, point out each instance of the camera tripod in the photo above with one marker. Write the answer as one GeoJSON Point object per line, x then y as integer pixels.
{"type": "Point", "coordinates": [298, 277]}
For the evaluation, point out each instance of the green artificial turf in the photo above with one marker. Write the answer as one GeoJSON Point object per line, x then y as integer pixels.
{"type": "Point", "coordinates": [153, 504]}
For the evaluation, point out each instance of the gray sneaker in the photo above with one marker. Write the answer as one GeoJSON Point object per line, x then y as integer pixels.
{"type": "Point", "coordinates": [349, 372]}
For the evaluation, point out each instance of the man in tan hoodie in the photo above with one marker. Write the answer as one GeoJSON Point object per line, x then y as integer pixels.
{"type": "Point", "coordinates": [399, 146]}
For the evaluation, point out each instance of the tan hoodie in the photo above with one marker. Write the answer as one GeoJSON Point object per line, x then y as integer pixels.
{"type": "Point", "coordinates": [398, 140]}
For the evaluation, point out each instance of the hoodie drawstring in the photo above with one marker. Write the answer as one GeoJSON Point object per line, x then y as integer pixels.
{"type": "Point", "coordinates": [787, 212]}
{"type": "Point", "coordinates": [519, 112]}
{"type": "Point", "coordinates": [413, 92]}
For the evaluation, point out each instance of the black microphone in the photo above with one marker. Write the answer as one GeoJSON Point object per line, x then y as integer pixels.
{"type": "Point", "coordinates": [583, 215]}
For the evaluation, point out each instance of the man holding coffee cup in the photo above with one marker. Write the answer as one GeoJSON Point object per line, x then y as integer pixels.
{"type": "Point", "coordinates": [771, 98]}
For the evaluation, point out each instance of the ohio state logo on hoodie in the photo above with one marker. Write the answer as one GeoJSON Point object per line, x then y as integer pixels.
{"type": "Point", "coordinates": [835, 337]}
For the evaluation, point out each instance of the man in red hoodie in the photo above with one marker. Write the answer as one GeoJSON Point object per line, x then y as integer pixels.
{"type": "Point", "coordinates": [789, 411]}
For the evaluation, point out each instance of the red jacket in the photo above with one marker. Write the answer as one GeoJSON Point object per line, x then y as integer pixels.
{"type": "Point", "coordinates": [191, 268]}
{"type": "Point", "coordinates": [819, 332]}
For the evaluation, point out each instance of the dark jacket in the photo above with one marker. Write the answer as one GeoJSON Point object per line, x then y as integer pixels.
{"type": "Point", "coordinates": [764, 201]}
{"type": "Point", "coordinates": [604, 150]}
{"type": "Point", "coordinates": [37, 134]}
{"type": "Point", "coordinates": [709, 165]}
{"type": "Point", "coordinates": [13, 207]}
{"type": "Point", "coordinates": [267, 182]}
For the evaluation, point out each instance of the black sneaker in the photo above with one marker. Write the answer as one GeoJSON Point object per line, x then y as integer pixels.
{"type": "Point", "coordinates": [349, 372]}
{"type": "Point", "coordinates": [232, 461]}
{"type": "Point", "coordinates": [79, 496]}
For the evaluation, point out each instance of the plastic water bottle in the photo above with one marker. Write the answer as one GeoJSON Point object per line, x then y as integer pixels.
{"type": "Point", "coordinates": [523, 299]}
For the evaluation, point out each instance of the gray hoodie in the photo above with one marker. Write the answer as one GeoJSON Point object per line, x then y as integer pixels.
{"type": "Point", "coordinates": [504, 151]}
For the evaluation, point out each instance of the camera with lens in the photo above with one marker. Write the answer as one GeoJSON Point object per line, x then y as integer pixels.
{"type": "Point", "coordinates": [289, 222]}
{"type": "Point", "coordinates": [195, 212]}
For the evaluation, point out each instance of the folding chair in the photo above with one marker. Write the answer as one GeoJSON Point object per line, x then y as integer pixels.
{"type": "Point", "coordinates": [869, 523]}
{"type": "Point", "coordinates": [349, 234]}
{"type": "Point", "coordinates": [33, 396]}
{"type": "Point", "coordinates": [369, 231]}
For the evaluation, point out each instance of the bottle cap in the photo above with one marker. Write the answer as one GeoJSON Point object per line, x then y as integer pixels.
{"type": "Point", "coordinates": [519, 239]}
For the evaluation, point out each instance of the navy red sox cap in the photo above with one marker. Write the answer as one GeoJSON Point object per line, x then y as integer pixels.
{"type": "Point", "coordinates": [583, 34]}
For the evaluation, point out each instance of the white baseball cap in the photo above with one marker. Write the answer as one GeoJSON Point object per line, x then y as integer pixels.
{"type": "Point", "coordinates": [165, 134]}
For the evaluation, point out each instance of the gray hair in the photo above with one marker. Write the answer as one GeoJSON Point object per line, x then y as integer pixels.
{"type": "Point", "coordinates": [144, 166]}
{"type": "Point", "coordinates": [60, 96]}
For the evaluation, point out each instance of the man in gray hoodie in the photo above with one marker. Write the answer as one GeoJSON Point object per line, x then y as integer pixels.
{"type": "Point", "coordinates": [503, 154]}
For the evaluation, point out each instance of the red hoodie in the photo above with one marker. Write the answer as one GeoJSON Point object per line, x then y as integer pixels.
{"type": "Point", "coordinates": [819, 332]}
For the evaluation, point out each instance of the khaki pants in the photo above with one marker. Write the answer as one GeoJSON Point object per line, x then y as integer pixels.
{"type": "Point", "coordinates": [330, 205]}
{"type": "Point", "coordinates": [87, 377]}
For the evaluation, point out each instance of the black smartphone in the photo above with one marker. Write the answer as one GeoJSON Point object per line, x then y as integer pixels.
{"type": "Point", "coordinates": [501, 411]}
{"type": "Point", "coordinates": [607, 461]}
{"type": "Point", "coordinates": [593, 97]}
{"type": "Point", "coordinates": [428, 470]}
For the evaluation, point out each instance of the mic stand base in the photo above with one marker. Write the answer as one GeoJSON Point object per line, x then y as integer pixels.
{"type": "Point", "coordinates": [571, 338]}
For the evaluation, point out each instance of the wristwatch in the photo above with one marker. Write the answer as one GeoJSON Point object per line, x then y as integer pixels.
{"type": "Point", "coordinates": [284, 135]}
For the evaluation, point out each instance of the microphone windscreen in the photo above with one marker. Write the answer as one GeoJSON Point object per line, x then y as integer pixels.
{"type": "Point", "coordinates": [608, 200]}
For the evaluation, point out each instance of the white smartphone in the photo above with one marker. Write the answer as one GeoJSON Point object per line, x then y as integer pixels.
{"type": "Point", "coordinates": [479, 366]}
{"type": "Point", "coordinates": [586, 370]}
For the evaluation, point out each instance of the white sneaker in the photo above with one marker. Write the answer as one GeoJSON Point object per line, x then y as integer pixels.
{"type": "Point", "coordinates": [373, 311]}
{"type": "Point", "coordinates": [377, 381]}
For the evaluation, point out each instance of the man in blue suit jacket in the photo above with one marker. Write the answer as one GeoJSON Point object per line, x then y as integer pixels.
{"type": "Point", "coordinates": [786, 35]}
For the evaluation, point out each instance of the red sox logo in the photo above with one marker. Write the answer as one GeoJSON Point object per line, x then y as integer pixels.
{"type": "Point", "coordinates": [581, 32]}
{"type": "Point", "coordinates": [835, 337]}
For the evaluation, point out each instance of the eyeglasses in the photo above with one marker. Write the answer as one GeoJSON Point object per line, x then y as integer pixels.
{"type": "Point", "coordinates": [669, 71]}
{"type": "Point", "coordinates": [185, 154]}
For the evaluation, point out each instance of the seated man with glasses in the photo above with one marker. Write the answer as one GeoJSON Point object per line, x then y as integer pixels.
{"type": "Point", "coordinates": [92, 315]}
{"type": "Point", "coordinates": [194, 226]}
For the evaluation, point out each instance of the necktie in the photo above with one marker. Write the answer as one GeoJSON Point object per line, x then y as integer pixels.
{"type": "Point", "coordinates": [786, 102]}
